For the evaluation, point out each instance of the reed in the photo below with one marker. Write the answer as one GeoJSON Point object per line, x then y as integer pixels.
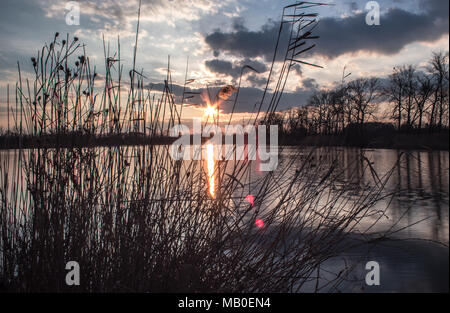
{"type": "Point", "coordinates": [137, 220]}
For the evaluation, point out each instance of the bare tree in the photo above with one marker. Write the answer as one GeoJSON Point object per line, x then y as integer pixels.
{"type": "Point", "coordinates": [408, 74]}
{"type": "Point", "coordinates": [422, 95]}
{"type": "Point", "coordinates": [363, 92]}
{"type": "Point", "coordinates": [319, 101]}
{"type": "Point", "coordinates": [439, 69]}
{"type": "Point", "coordinates": [395, 92]}
{"type": "Point", "coordinates": [297, 121]}
{"type": "Point", "coordinates": [339, 102]}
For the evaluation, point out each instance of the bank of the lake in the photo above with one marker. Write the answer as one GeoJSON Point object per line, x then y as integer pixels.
{"type": "Point", "coordinates": [397, 140]}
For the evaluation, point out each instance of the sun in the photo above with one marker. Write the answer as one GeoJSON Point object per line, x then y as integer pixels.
{"type": "Point", "coordinates": [210, 111]}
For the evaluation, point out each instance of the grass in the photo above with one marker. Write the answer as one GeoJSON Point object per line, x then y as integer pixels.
{"type": "Point", "coordinates": [137, 220]}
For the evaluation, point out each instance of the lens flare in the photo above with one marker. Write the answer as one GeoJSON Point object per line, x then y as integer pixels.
{"type": "Point", "coordinates": [250, 199]}
{"type": "Point", "coordinates": [259, 223]}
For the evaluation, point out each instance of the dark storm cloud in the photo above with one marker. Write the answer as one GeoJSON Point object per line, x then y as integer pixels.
{"type": "Point", "coordinates": [341, 35]}
{"type": "Point", "coordinates": [297, 69]}
{"type": "Point", "coordinates": [258, 66]}
{"type": "Point", "coordinates": [221, 67]}
{"type": "Point", "coordinates": [436, 8]}
{"type": "Point", "coordinates": [233, 69]}
{"type": "Point", "coordinates": [246, 43]}
{"type": "Point", "coordinates": [353, 5]}
{"type": "Point", "coordinates": [256, 80]}
{"type": "Point", "coordinates": [398, 28]}
{"type": "Point", "coordinates": [310, 83]}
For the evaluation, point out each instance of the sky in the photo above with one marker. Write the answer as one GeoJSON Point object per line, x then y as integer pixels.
{"type": "Point", "coordinates": [216, 38]}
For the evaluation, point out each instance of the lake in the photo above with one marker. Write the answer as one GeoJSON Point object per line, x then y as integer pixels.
{"type": "Point", "coordinates": [419, 208]}
{"type": "Point", "coordinates": [414, 209]}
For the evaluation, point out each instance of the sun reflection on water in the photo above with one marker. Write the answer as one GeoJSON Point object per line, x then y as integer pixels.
{"type": "Point", "coordinates": [210, 165]}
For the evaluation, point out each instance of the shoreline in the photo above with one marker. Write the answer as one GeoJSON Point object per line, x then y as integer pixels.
{"type": "Point", "coordinates": [397, 141]}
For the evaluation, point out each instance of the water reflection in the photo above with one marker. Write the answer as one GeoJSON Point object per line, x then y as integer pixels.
{"type": "Point", "coordinates": [419, 181]}
{"type": "Point", "coordinates": [210, 159]}
{"type": "Point", "coordinates": [419, 207]}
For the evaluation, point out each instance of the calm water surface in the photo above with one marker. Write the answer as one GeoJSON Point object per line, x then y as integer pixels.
{"type": "Point", "coordinates": [415, 258]}
{"type": "Point", "coordinates": [413, 261]}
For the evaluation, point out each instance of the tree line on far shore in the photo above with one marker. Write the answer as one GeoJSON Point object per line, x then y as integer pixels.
{"type": "Point", "coordinates": [411, 100]}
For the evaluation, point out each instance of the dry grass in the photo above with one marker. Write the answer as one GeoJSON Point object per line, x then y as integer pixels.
{"type": "Point", "coordinates": [135, 219]}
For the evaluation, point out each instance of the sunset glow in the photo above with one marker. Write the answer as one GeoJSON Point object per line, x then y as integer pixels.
{"type": "Point", "coordinates": [210, 111]}
{"type": "Point", "coordinates": [210, 165]}
{"type": "Point", "coordinates": [144, 144]}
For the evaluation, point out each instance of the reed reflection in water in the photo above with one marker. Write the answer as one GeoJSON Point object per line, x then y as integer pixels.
{"type": "Point", "coordinates": [103, 197]}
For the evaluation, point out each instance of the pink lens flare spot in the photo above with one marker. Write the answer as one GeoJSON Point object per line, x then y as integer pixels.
{"type": "Point", "coordinates": [250, 199]}
{"type": "Point", "coordinates": [259, 223]}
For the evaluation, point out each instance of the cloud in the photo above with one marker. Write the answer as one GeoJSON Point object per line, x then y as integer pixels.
{"type": "Point", "coordinates": [120, 15]}
{"type": "Point", "coordinates": [257, 80]}
{"type": "Point", "coordinates": [248, 101]}
{"type": "Point", "coordinates": [233, 69]}
{"type": "Point", "coordinates": [245, 43]}
{"type": "Point", "coordinates": [310, 83]}
{"type": "Point", "coordinates": [221, 67]}
{"type": "Point", "coordinates": [352, 5]}
{"type": "Point", "coordinates": [397, 29]}
{"type": "Point", "coordinates": [344, 35]}
{"type": "Point", "coordinates": [297, 69]}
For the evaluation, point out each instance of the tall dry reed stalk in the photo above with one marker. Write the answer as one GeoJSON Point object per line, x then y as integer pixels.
{"type": "Point", "coordinates": [137, 220]}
